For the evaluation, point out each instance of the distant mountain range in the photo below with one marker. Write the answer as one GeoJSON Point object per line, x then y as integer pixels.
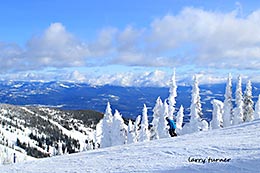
{"type": "Point", "coordinates": [128, 100]}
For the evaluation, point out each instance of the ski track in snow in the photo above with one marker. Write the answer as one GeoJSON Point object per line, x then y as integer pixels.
{"type": "Point", "coordinates": [240, 143]}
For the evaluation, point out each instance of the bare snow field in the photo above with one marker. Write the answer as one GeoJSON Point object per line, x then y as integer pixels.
{"type": "Point", "coordinates": [234, 149]}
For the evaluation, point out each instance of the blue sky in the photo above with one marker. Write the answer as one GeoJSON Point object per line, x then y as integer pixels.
{"type": "Point", "coordinates": [21, 19]}
{"type": "Point", "coordinates": [79, 39]}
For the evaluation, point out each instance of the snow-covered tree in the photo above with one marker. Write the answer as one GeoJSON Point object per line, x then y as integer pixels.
{"type": "Point", "coordinates": [217, 114]}
{"type": "Point", "coordinates": [54, 151]}
{"type": "Point", "coordinates": [172, 95]}
{"type": "Point", "coordinates": [257, 108]}
{"type": "Point", "coordinates": [196, 110]}
{"type": "Point", "coordinates": [179, 118]}
{"type": "Point", "coordinates": [204, 125]}
{"type": "Point", "coordinates": [228, 108]}
{"type": "Point", "coordinates": [162, 124]}
{"type": "Point", "coordinates": [106, 126]}
{"type": "Point", "coordinates": [6, 157]}
{"type": "Point", "coordinates": [238, 112]}
{"type": "Point", "coordinates": [158, 108]}
{"type": "Point", "coordinates": [158, 111]}
{"type": "Point", "coordinates": [118, 131]}
{"type": "Point", "coordinates": [130, 133]}
{"type": "Point", "coordinates": [59, 148]}
{"type": "Point", "coordinates": [144, 133]}
{"type": "Point", "coordinates": [88, 146]}
{"type": "Point", "coordinates": [196, 124]}
{"type": "Point", "coordinates": [248, 103]}
{"type": "Point", "coordinates": [98, 134]}
{"type": "Point", "coordinates": [137, 128]}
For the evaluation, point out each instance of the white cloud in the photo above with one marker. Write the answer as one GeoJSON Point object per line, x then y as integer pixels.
{"type": "Point", "coordinates": [210, 38]}
{"type": "Point", "coordinates": [56, 48]}
{"type": "Point", "coordinates": [104, 45]}
{"type": "Point", "coordinates": [10, 56]}
{"type": "Point", "coordinates": [155, 78]}
{"type": "Point", "coordinates": [129, 39]}
{"type": "Point", "coordinates": [192, 37]}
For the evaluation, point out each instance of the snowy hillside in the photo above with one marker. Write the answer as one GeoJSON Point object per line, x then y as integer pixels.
{"type": "Point", "coordinates": [8, 155]}
{"type": "Point", "coordinates": [237, 146]}
{"type": "Point", "coordinates": [43, 132]}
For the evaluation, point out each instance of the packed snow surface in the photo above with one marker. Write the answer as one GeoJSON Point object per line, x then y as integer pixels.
{"type": "Point", "coordinates": [236, 147]}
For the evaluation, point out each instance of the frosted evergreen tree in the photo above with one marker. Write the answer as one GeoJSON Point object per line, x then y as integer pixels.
{"type": "Point", "coordinates": [162, 124]}
{"type": "Point", "coordinates": [59, 148]}
{"type": "Point", "coordinates": [137, 128]}
{"type": "Point", "coordinates": [196, 110]}
{"type": "Point", "coordinates": [238, 112]}
{"type": "Point", "coordinates": [5, 157]}
{"type": "Point", "coordinates": [144, 133]}
{"type": "Point", "coordinates": [204, 125]}
{"type": "Point", "coordinates": [118, 131]}
{"type": "Point", "coordinates": [106, 127]}
{"type": "Point", "coordinates": [257, 108]}
{"type": "Point", "coordinates": [173, 95]}
{"type": "Point", "coordinates": [158, 111]}
{"type": "Point", "coordinates": [131, 133]}
{"type": "Point", "coordinates": [179, 118]}
{"type": "Point", "coordinates": [228, 108]}
{"type": "Point", "coordinates": [98, 134]}
{"type": "Point", "coordinates": [88, 146]}
{"type": "Point", "coordinates": [248, 103]}
{"type": "Point", "coordinates": [195, 123]}
{"type": "Point", "coordinates": [217, 114]}
{"type": "Point", "coordinates": [54, 151]}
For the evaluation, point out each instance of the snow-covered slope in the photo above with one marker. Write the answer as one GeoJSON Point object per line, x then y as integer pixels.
{"type": "Point", "coordinates": [42, 132]}
{"type": "Point", "coordinates": [7, 155]}
{"type": "Point", "coordinates": [238, 146]}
